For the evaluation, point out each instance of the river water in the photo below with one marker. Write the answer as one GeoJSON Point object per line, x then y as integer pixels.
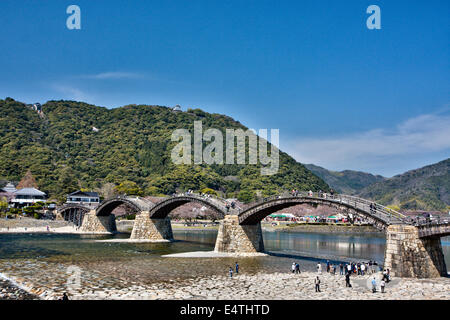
{"type": "Point", "coordinates": [44, 258]}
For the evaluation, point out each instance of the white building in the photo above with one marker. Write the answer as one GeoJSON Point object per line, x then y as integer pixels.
{"type": "Point", "coordinates": [84, 198]}
{"type": "Point", "coordinates": [28, 196]}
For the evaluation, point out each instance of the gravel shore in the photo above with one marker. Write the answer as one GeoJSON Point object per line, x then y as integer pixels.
{"type": "Point", "coordinates": [260, 286]}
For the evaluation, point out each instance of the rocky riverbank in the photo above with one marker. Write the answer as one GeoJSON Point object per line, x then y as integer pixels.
{"type": "Point", "coordinates": [264, 286]}
{"type": "Point", "coordinates": [10, 291]}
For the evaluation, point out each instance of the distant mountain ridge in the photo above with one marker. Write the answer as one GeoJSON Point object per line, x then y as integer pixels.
{"type": "Point", "coordinates": [347, 181]}
{"type": "Point", "coordinates": [426, 188]}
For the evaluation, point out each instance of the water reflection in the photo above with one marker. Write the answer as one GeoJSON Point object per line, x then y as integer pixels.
{"type": "Point", "coordinates": [142, 262]}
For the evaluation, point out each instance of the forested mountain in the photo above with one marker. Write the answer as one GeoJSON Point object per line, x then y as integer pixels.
{"type": "Point", "coordinates": [74, 145]}
{"type": "Point", "coordinates": [347, 181]}
{"type": "Point", "coordinates": [426, 188]}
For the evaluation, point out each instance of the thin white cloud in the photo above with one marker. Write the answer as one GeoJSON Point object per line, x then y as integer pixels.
{"type": "Point", "coordinates": [113, 75]}
{"type": "Point", "coordinates": [70, 92]}
{"type": "Point", "coordinates": [428, 133]}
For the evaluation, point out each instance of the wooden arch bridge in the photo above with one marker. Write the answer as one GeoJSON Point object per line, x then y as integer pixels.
{"type": "Point", "coordinates": [413, 248]}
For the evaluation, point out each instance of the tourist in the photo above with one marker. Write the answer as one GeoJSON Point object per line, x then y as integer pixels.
{"type": "Point", "coordinates": [388, 275]}
{"type": "Point", "coordinates": [319, 268]}
{"type": "Point", "coordinates": [347, 280]}
{"type": "Point", "coordinates": [293, 267]}
{"type": "Point", "coordinates": [358, 266]}
{"type": "Point", "coordinates": [349, 268]}
{"type": "Point", "coordinates": [334, 269]}
{"type": "Point", "coordinates": [382, 285]}
{"type": "Point", "coordinates": [328, 266]}
{"type": "Point", "coordinates": [297, 268]}
{"type": "Point", "coordinates": [374, 285]}
{"type": "Point", "coordinates": [231, 272]}
{"type": "Point", "coordinates": [237, 268]}
{"type": "Point", "coordinates": [317, 283]}
{"type": "Point", "coordinates": [363, 268]}
{"type": "Point", "coordinates": [64, 297]}
{"type": "Point", "coordinates": [341, 269]}
{"type": "Point", "coordinates": [310, 193]}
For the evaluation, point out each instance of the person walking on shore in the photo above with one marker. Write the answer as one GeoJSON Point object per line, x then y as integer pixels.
{"type": "Point", "coordinates": [237, 268]}
{"type": "Point", "coordinates": [293, 267]}
{"type": "Point", "coordinates": [363, 268]}
{"type": "Point", "coordinates": [349, 268]}
{"type": "Point", "coordinates": [374, 285]}
{"type": "Point", "coordinates": [347, 280]}
{"type": "Point", "coordinates": [319, 268]}
{"type": "Point", "coordinates": [341, 269]}
{"type": "Point", "coordinates": [297, 268]}
{"type": "Point", "coordinates": [317, 283]}
{"type": "Point", "coordinates": [231, 272]}
{"type": "Point", "coordinates": [382, 285]}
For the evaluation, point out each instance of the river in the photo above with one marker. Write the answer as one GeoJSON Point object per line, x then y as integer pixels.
{"type": "Point", "coordinates": [43, 259]}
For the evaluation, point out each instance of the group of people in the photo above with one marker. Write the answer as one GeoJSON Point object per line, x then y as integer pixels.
{"type": "Point", "coordinates": [358, 268]}
{"type": "Point", "coordinates": [231, 270]}
{"type": "Point", "coordinates": [353, 268]}
{"type": "Point", "coordinates": [295, 267]}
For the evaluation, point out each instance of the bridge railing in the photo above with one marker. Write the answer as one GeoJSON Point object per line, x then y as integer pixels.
{"type": "Point", "coordinates": [423, 222]}
{"type": "Point", "coordinates": [376, 210]}
{"type": "Point", "coordinates": [219, 202]}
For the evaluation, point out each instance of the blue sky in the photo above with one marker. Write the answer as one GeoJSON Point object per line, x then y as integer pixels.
{"type": "Point", "coordinates": [343, 96]}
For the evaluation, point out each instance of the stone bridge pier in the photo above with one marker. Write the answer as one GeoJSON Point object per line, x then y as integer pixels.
{"type": "Point", "coordinates": [408, 255]}
{"type": "Point", "coordinates": [98, 224]}
{"type": "Point", "coordinates": [235, 238]}
{"type": "Point", "coordinates": [146, 228]}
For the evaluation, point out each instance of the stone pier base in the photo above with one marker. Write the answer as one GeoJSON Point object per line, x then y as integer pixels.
{"type": "Point", "coordinates": [151, 229]}
{"type": "Point", "coordinates": [98, 224]}
{"type": "Point", "coordinates": [58, 215]}
{"type": "Point", "coordinates": [236, 238]}
{"type": "Point", "coordinates": [407, 255]}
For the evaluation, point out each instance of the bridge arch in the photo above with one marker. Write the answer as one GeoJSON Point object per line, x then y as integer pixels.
{"type": "Point", "coordinates": [162, 209]}
{"type": "Point", "coordinates": [377, 215]}
{"type": "Point", "coordinates": [73, 213]}
{"type": "Point", "coordinates": [135, 203]}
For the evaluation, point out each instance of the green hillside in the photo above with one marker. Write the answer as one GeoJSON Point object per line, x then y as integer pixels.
{"type": "Point", "coordinates": [426, 188]}
{"type": "Point", "coordinates": [132, 147]}
{"type": "Point", "coordinates": [347, 181]}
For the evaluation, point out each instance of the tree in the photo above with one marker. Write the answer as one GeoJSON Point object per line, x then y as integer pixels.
{"type": "Point", "coordinates": [107, 190]}
{"type": "Point", "coordinates": [27, 181]}
{"type": "Point", "coordinates": [3, 204]}
{"type": "Point", "coordinates": [209, 191]}
{"type": "Point", "coordinates": [129, 188]}
{"type": "Point", "coordinates": [246, 196]}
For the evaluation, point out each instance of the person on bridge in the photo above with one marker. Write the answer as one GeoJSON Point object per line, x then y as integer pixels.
{"type": "Point", "coordinates": [310, 193]}
{"type": "Point", "coordinates": [317, 283]}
